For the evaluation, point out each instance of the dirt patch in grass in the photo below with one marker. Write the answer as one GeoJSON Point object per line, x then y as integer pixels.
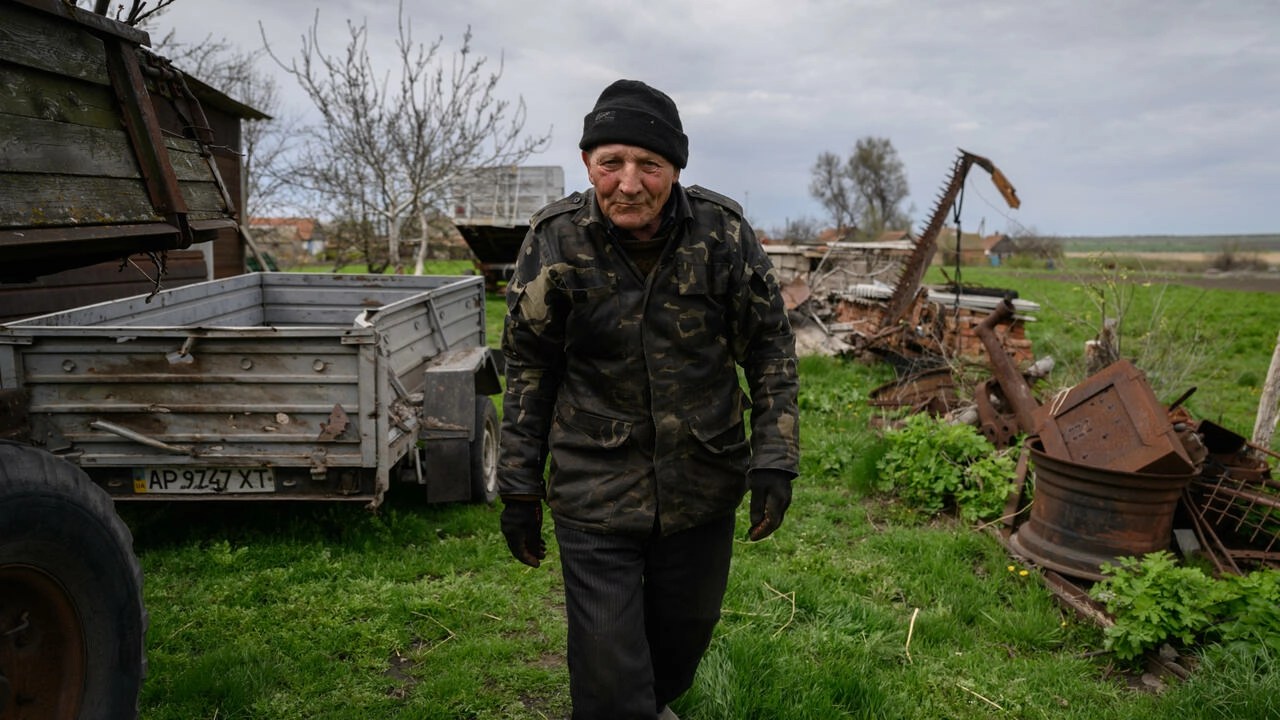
{"type": "Point", "coordinates": [1249, 282]}
{"type": "Point", "coordinates": [549, 661]}
{"type": "Point", "coordinates": [399, 669]}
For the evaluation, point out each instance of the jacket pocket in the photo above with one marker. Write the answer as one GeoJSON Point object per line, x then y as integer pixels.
{"type": "Point", "coordinates": [697, 278]}
{"type": "Point", "coordinates": [585, 286]}
{"type": "Point", "coordinates": [719, 438]}
{"type": "Point", "coordinates": [715, 468]}
{"type": "Point", "coordinates": [585, 430]}
{"type": "Point", "coordinates": [595, 472]}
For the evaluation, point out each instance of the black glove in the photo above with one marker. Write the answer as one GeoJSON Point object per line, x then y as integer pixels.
{"type": "Point", "coordinates": [522, 526]}
{"type": "Point", "coordinates": [770, 497]}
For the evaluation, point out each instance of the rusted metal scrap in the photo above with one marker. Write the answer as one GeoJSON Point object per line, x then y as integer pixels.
{"type": "Point", "coordinates": [998, 427]}
{"type": "Point", "coordinates": [1234, 503]}
{"type": "Point", "coordinates": [871, 292]}
{"type": "Point", "coordinates": [908, 283]}
{"type": "Point", "coordinates": [932, 391]}
{"type": "Point", "coordinates": [1112, 419]}
{"type": "Point", "coordinates": [1087, 515]}
{"type": "Point", "coordinates": [939, 327]}
{"type": "Point", "coordinates": [1014, 386]}
{"type": "Point", "coordinates": [1109, 466]}
{"type": "Point", "coordinates": [964, 340]}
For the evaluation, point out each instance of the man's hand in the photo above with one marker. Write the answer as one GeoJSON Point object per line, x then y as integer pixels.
{"type": "Point", "coordinates": [770, 497]}
{"type": "Point", "coordinates": [522, 526]}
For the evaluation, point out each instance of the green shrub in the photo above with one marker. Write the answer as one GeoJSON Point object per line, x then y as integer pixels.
{"type": "Point", "coordinates": [1156, 600]}
{"type": "Point", "coordinates": [931, 465]}
{"type": "Point", "coordinates": [1250, 616]}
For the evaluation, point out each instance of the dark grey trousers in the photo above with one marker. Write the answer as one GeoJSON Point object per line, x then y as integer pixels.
{"type": "Point", "coordinates": [641, 611]}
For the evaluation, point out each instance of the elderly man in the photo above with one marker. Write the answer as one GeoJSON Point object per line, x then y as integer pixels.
{"type": "Point", "coordinates": [632, 307]}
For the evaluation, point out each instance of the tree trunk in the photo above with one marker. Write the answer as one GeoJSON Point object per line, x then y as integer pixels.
{"type": "Point", "coordinates": [393, 245]}
{"type": "Point", "coordinates": [1269, 404]}
{"type": "Point", "coordinates": [420, 262]}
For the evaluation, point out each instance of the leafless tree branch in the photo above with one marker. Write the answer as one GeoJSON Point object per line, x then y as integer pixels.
{"type": "Point", "coordinates": [391, 143]}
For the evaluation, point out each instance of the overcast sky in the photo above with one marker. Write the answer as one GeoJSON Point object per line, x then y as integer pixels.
{"type": "Point", "coordinates": [1109, 117]}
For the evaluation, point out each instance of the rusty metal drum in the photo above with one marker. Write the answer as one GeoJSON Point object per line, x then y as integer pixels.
{"type": "Point", "coordinates": [1083, 516]}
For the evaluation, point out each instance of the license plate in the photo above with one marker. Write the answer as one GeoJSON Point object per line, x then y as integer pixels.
{"type": "Point", "coordinates": [202, 480]}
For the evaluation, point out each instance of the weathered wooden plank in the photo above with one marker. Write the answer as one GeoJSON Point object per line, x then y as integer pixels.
{"type": "Point", "coordinates": [97, 23]}
{"type": "Point", "coordinates": [204, 200]}
{"type": "Point", "coordinates": [1264, 425]}
{"type": "Point", "coordinates": [188, 163]}
{"type": "Point", "coordinates": [28, 200]}
{"type": "Point", "coordinates": [97, 283]}
{"type": "Point", "coordinates": [43, 41]}
{"type": "Point", "coordinates": [39, 94]}
{"type": "Point", "coordinates": [30, 145]}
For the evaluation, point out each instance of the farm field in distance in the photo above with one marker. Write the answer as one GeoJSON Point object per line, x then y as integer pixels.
{"type": "Point", "coordinates": [1214, 332]}
{"type": "Point", "coordinates": [1171, 243]}
{"type": "Point", "coordinates": [1229, 262]}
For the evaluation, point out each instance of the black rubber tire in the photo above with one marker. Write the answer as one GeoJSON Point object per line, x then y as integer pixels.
{"type": "Point", "coordinates": [72, 620]}
{"type": "Point", "coordinates": [484, 453]}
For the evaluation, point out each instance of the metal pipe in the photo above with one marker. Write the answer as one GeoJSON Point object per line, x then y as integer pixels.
{"type": "Point", "coordinates": [1015, 388]}
{"type": "Point", "coordinates": [138, 437]}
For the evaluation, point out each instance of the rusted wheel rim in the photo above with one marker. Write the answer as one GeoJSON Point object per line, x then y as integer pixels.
{"type": "Point", "coordinates": [41, 646]}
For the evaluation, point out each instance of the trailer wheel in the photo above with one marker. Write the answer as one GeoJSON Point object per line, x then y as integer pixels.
{"type": "Point", "coordinates": [484, 453]}
{"type": "Point", "coordinates": [72, 621]}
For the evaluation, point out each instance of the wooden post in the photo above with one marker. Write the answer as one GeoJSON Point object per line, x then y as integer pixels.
{"type": "Point", "coordinates": [1269, 404]}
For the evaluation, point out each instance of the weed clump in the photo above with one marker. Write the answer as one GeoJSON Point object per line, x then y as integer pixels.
{"type": "Point", "coordinates": [933, 465]}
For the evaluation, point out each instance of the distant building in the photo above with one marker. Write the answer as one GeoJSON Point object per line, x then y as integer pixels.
{"type": "Point", "coordinates": [291, 241]}
{"type": "Point", "coordinates": [894, 236]}
{"type": "Point", "coordinates": [998, 248]}
{"type": "Point", "coordinates": [969, 247]}
{"type": "Point", "coordinates": [835, 235]}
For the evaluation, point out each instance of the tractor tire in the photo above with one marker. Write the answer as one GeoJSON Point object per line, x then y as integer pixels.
{"type": "Point", "coordinates": [484, 453]}
{"type": "Point", "coordinates": [72, 620]}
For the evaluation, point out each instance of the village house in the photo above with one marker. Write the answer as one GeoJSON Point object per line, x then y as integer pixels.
{"type": "Point", "coordinates": [998, 248]}
{"type": "Point", "coordinates": [289, 240]}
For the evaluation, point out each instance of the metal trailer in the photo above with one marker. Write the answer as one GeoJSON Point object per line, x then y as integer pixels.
{"type": "Point", "coordinates": [268, 386]}
{"type": "Point", "coordinates": [491, 210]}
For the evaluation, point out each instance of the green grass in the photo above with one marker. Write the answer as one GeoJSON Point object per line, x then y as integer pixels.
{"type": "Point", "coordinates": [430, 267]}
{"type": "Point", "coordinates": [1218, 342]}
{"type": "Point", "coordinates": [853, 609]}
{"type": "Point", "coordinates": [1170, 243]}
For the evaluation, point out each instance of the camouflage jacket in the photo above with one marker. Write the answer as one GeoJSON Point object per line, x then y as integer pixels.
{"type": "Point", "coordinates": [630, 382]}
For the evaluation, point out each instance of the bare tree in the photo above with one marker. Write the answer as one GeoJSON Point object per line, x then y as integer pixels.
{"type": "Point", "coordinates": [831, 186]}
{"type": "Point", "coordinates": [881, 182]}
{"type": "Point", "coordinates": [396, 146]}
{"type": "Point", "coordinates": [1043, 248]}
{"type": "Point", "coordinates": [863, 192]}
{"type": "Point", "coordinates": [801, 231]}
{"type": "Point", "coordinates": [136, 14]}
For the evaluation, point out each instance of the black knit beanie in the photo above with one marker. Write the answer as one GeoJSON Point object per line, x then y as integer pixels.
{"type": "Point", "coordinates": [632, 113]}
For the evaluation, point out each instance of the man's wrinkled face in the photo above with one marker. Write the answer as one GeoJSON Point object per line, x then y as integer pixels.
{"type": "Point", "coordinates": [632, 184]}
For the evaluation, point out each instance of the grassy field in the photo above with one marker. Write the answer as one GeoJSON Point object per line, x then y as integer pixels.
{"type": "Point", "coordinates": [854, 609]}
{"type": "Point", "coordinates": [1182, 336]}
{"type": "Point", "coordinates": [1172, 243]}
